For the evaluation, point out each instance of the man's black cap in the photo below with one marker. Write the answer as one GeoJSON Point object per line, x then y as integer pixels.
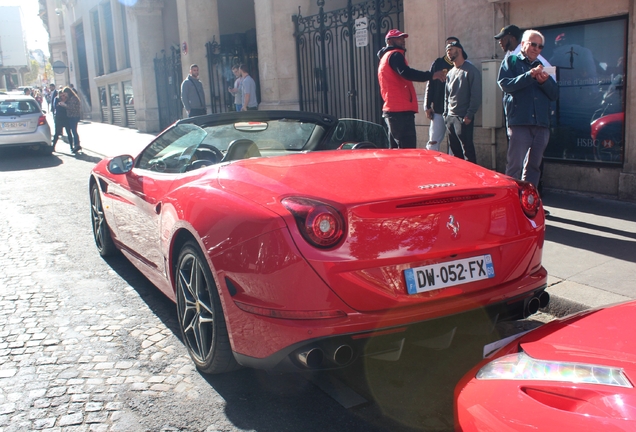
{"type": "Point", "coordinates": [458, 45]}
{"type": "Point", "coordinates": [512, 30]}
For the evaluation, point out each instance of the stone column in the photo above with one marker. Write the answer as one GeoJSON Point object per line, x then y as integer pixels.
{"type": "Point", "coordinates": [424, 23]}
{"type": "Point", "coordinates": [627, 178]}
{"type": "Point", "coordinates": [277, 64]}
{"type": "Point", "coordinates": [198, 24]}
{"type": "Point", "coordinates": [146, 40]}
{"type": "Point", "coordinates": [118, 30]}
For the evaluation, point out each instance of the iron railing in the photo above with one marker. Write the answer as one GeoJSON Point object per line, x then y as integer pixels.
{"type": "Point", "coordinates": [337, 75]}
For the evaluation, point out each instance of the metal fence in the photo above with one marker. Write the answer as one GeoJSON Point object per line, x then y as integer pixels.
{"type": "Point", "coordinates": [168, 75]}
{"type": "Point", "coordinates": [337, 61]}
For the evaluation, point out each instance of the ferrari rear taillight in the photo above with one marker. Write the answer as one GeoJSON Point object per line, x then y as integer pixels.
{"type": "Point", "coordinates": [529, 198]}
{"type": "Point", "coordinates": [42, 120]}
{"type": "Point", "coordinates": [319, 223]}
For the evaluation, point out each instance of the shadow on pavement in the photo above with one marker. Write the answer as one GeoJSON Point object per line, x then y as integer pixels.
{"type": "Point", "coordinates": [87, 157]}
{"type": "Point", "coordinates": [16, 159]}
{"type": "Point", "coordinates": [612, 247]}
{"type": "Point", "coordinates": [591, 226]}
{"type": "Point", "coordinates": [591, 205]}
{"type": "Point", "coordinates": [157, 302]}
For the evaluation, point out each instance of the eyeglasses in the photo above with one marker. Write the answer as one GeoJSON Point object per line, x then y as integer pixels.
{"type": "Point", "coordinates": [536, 45]}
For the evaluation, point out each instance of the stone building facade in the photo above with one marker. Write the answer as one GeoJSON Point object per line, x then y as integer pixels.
{"type": "Point", "coordinates": [112, 47]}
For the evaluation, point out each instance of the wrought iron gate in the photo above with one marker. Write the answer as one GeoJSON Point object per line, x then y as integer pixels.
{"type": "Point", "coordinates": [337, 74]}
{"type": "Point", "coordinates": [220, 62]}
{"type": "Point", "coordinates": [168, 76]}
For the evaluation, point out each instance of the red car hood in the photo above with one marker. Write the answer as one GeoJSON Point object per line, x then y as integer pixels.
{"type": "Point", "coordinates": [370, 176]}
{"type": "Point", "coordinates": [602, 336]}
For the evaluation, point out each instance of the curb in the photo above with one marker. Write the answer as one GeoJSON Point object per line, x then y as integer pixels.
{"type": "Point", "coordinates": [568, 297]}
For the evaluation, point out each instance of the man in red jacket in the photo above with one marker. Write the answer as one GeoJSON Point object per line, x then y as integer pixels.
{"type": "Point", "coordinates": [396, 86]}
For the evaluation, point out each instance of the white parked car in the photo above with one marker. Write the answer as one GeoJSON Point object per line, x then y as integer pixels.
{"type": "Point", "coordinates": [23, 124]}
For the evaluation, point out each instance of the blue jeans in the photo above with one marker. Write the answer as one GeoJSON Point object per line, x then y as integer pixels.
{"type": "Point", "coordinates": [525, 152]}
{"type": "Point", "coordinates": [436, 132]}
{"type": "Point", "coordinates": [73, 137]}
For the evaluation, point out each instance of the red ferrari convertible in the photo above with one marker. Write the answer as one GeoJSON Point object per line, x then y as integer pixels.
{"type": "Point", "coordinates": [573, 374]}
{"type": "Point", "coordinates": [294, 240]}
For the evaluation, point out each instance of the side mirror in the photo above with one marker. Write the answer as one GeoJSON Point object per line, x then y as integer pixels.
{"type": "Point", "coordinates": [121, 164]}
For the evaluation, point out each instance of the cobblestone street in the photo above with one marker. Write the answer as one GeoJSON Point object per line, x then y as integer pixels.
{"type": "Point", "coordinates": [91, 345]}
{"type": "Point", "coordinates": [71, 352]}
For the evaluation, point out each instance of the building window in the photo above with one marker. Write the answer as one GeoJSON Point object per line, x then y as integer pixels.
{"type": "Point", "coordinates": [124, 25]}
{"type": "Point", "coordinates": [588, 118]}
{"type": "Point", "coordinates": [115, 103]}
{"type": "Point", "coordinates": [103, 105]}
{"type": "Point", "coordinates": [98, 43]}
{"type": "Point", "coordinates": [110, 37]}
{"type": "Point", "coordinates": [129, 102]}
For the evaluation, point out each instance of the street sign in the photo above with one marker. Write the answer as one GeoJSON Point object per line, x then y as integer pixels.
{"type": "Point", "coordinates": [361, 32]}
{"type": "Point", "coordinates": [59, 67]}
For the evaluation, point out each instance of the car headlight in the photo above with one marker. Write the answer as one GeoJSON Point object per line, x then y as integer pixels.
{"type": "Point", "coordinates": [521, 366]}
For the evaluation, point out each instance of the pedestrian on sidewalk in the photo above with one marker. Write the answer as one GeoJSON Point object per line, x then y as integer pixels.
{"type": "Point", "coordinates": [397, 90]}
{"type": "Point", "coordinates": [60, 117]}
{"type": "Point", "coordinates": [434, 100]}
{"type": "Point", "coordinates": [52, 95]}
{"type": "Point", "coordinates": [248, 88]}
{"type": "Point", "coordinates": [192, 94]}
{"type": "Point", "coordinates": [236, 90]}
{"type": "Point", "coordinates": [462, 99]}
{"type": "Point", "coordinates": [528, 92]}
{"type": "Point", "coordinates": [73, 112]}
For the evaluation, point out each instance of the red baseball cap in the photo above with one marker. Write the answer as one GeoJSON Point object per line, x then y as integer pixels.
{"type": "Point", "coordinates": [395, 33]}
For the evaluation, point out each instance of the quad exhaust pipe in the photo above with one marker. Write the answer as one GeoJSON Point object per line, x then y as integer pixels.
{"type": "Point", "coordinates": [314, 357]}
{"type": "Point", "coordinates": [544, 299]}
{"type": "Point", "coordinates": [311, 358]}
{"type": "Point", "coordinates": [342, 355]}
{"type": "Point", "coordinates": [533, 305]}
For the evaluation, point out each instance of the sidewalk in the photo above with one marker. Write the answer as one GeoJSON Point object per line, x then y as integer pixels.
{"type": "Point", "coordinates": [110, 140]}
{"type": "Point", "coordinates": [590, 247]}
{"type": "Point", "coordinates": [590, 251]}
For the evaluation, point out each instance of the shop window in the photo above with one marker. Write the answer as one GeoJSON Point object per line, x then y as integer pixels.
{"type": "Point", "coordinates": [103, 103]}
{"type": "Point", "coordinates": [115, 104]}
{"type": "Point", "coordinates": [588, 118]}
{"type": "Point", "coordinates": [129, 103]}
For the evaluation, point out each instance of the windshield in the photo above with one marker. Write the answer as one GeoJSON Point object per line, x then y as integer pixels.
{"type": "Point", "coordinates": [16, 107]}
{"type": "Point", "coordinates": [288, 135]}
{"type": "Point", "coordinates": [188, 146]}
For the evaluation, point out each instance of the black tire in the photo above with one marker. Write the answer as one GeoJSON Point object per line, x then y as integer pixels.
{"type": "Point", "coordinates": [101, 231]}
{"type": "Point", "coordinates": [200, 313]}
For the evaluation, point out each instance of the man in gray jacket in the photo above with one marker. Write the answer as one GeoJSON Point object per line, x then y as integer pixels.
{"type": "Point", "coordinates": [192, 94]}
{"type": "Point", "coordinates": [462, 98]}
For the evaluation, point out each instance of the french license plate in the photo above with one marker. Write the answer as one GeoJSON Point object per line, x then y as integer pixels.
{"type": "Point", "coordinates": [13, 125]}
{"type": "Point", "coordinates": [451, 273]}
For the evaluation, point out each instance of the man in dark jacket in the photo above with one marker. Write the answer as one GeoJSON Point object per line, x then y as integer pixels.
{"type": "Point", "coordinates": [192, 94]}
{"type": "Point", "coordinates": [528, 91]}
{"type": "Point", "coordinates": [396, 86]}
{"type": "Point", "coordinates": [434, 100]}
{"type": "Point", "coordinates": [60, 117]}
